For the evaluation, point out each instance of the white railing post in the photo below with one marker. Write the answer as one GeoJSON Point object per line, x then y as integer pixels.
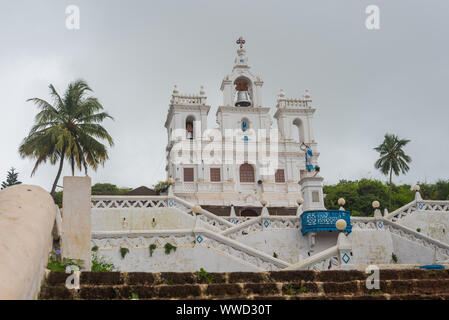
{"type": "Point", "coordinates": [344, 246]}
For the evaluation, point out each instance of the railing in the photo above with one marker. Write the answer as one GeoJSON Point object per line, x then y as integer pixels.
{"type": "Point", "coordinates": [324, 260]}
{"type": "Point", "coordinates": [260, 223]}
{"type": "Point", "coordinates": [418, 205]}
{"type": "Point", "coordinates": [238, 220]}
{"type": "Point", "coordinates": [124, 202]}
{"type": "Point", "coordinates": [402, 211]}
{"type": "Point", "coordinates": [324, 220]}
{"type": "Point", "coordinates": [441, 249]}
{"type": "Point", "coordinates": [205, 216]}
{"type": "Point", "coordinates": [188, 99]}
{"type": "Point", "coordinates": [291, 102]}
{"type": "Point", "coordinates": [188, 238]}
{"type": "Point", "coordinates": [368, 223]}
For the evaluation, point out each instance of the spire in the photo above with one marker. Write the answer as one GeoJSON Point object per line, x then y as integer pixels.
{"type": "Point", "coordinates": [241, 61]}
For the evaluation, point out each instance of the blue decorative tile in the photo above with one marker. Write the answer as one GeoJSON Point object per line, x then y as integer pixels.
{"type": "Point", "coordinates": [380, 224]}
{"type": "Point", "coordinates": [199, 239]}
{"type": "Point", "coordinates": [420, 206]}
{"type": "Point", "coordinates": [345, 258]}
{"type": "Point", "coordinates": [233, 221]}
{"type": "Point", "coordinates": [171, 203]}
{"type": "Point", "coordinates": [266, 223]}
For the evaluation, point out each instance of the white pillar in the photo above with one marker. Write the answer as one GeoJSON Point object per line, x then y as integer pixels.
{"type": "Point", "coordinates": [76, 220]}
{"type": "Point", "coordinates": [344, 252]}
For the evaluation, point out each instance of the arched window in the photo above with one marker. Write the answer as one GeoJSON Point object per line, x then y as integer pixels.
{"type": "Point", "coordinates": [189, 127]}
{"type": "Point", "coordinates": [246, 173]}
{"type": "Point", "coordinates": [298, 134]}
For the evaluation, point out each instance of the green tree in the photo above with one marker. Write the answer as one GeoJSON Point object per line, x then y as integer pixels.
{"type": "Point", "coordinates": [11, 179]}
{"type": "Point", "coordinates": [68, 129]}
{"type": "Point", "coordinates": [392, 159]}
{"type": "Point", "coordinates": [108, 189]}
{"type": "Point", "coordinates": [360, 194]}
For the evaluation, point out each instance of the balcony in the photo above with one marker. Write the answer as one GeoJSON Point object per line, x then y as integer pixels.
{"type": "Point", "coordinates": [324, 220]}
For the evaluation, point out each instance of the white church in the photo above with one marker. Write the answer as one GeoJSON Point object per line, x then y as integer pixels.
{"type": "Point", "coordinates": [248, 196]}
{"type": "Point", "coordinates": [225, 166]}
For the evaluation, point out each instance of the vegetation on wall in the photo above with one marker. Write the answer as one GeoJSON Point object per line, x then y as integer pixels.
{"type": "Point", "coordinates": [169, 247]}
{"type": "Point", "coordinates": [152, 247]}
{"type": "Point", "coordinates": [58, 263]}
{"type": "Point", "coordinates": [100, 263]}
{"type": "Point", "coordinates": [123, 252]}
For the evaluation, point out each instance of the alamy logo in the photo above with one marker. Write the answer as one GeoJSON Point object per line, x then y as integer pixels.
{"type": "Point", "coordinates": [72, 21]}
{"type": "Point", "coordinates": [236, 146]}
{"type": "Point", "coordinates": [373, 280]}
{"type": "Point", "coordinates": [372, 22]}
{"type": "Point", "coordinates": [72, 281]}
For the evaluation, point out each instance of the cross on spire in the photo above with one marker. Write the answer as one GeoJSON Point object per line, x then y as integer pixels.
{"type": "Point", "coordinates": [241, 42]}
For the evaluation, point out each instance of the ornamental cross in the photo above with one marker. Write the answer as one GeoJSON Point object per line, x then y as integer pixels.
{"type": "Point", "coordinates": [241, 42]}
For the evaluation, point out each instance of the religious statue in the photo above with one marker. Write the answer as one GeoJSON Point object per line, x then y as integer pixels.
{"type": "Point", "coordinates": [309, 155]}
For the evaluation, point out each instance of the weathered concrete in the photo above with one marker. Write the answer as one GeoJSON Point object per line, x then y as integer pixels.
{"type": "Point", "coordinates": [323, 285]}
{"type": "Point", "coordinates": [27, 216]}
{"type": "Point", "coordinates": [76, 221]}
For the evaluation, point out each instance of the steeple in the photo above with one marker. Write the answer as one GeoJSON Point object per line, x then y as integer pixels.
{"type": "Point", "coordinates": [241, 88]}
{"type": "Point", "coordinates": [241, 61]}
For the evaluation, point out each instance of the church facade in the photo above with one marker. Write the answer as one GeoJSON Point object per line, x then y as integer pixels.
{"type": "Point", "coordinates": [247, 159]}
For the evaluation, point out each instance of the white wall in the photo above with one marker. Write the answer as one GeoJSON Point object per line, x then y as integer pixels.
{"type": "Point", "coordinates": [432, 224]}
{"type": "Point", "coordinates": [371, 246]}
{"type": "Point", "coordinates": [184, 259]}
{"type": "Point", "coordinates": [111, 219]}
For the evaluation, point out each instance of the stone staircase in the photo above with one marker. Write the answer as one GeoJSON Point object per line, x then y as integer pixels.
{"type": "Point", "coordinates": [275, 285]}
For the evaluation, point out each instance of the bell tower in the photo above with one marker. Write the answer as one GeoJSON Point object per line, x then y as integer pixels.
{"type": "Point", "coordinates": [241, 88]}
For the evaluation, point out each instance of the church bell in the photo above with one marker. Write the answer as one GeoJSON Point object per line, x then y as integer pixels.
{"type": "Point", "coordinates": [243, 99]}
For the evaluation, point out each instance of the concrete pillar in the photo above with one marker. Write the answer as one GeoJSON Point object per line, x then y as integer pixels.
{"type": "Point", "coordinates": [344, 252]}
{"type": "Point", "coordinates": [312, 191]}
{"type": "Point", "coordinates": [76, 220]}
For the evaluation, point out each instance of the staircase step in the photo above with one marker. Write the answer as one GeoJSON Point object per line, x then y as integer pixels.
{"type": "Point", "coordinates": [394, 284]}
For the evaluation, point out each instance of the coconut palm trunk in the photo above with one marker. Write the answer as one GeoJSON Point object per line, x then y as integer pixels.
{"type": "Point", "coordinates": [58, 175]}
{"type": "Point", "coordinates": [389, 189]}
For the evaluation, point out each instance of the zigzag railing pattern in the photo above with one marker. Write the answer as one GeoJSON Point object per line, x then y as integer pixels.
{"type": "Point", "coordinates": [125, 202]}
{"type": "Point", "coordinates": [324, 260]}
{"type": "Point", "coordinates": [188, 238]}
{"type": "Point", "coordinates": [205, 216]}
{"type": "Point", "coordinates": [260, 223]}
{"type": "Point", "coordinates": [130, 202]}
{"type": "Point", "coordinates": [441, 249]}
{"type": "Point", "coordinates": [418, 205]}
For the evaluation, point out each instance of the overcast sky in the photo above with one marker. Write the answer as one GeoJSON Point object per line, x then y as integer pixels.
{"type": "Point", "coordinates": [364, 83]}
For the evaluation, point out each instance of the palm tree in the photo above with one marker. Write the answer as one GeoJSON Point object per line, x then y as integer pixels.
{"type": "Point", "coordinates": [69, 128]}
{"type": "Point", "coordinates": [392, 159]}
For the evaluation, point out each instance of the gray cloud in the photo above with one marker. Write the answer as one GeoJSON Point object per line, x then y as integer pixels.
{"type": "Point", "coordinates": [363, 83]}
